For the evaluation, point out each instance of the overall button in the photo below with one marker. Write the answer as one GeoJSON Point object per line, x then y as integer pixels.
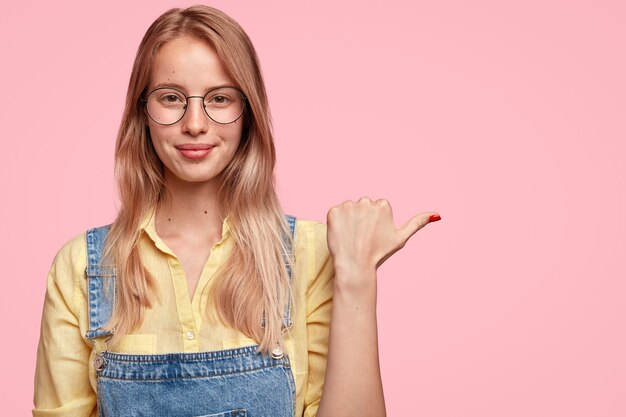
{"type": "Point", "coordinates": [99, 362]}
{"type": "Point", "coordinates": [277, 353]}
{"type": "Point", "coordinates": [189, 335]}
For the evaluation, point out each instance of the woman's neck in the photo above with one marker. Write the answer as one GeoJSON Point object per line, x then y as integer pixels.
{"type": "Point", "coordinates": [189, 210]}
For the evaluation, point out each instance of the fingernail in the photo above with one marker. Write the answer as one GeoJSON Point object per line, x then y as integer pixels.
{"type": "Point", "coordinates": [434, 218]}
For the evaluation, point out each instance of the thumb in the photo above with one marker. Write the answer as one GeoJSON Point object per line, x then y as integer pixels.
{"type": "Point", "coordinates": [411, 227]}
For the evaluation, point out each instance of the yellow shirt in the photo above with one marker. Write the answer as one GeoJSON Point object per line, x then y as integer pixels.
{"type": "Point", "coordinates": [65, 379]}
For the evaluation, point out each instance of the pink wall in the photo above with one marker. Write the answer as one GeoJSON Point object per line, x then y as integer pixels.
{"type": "Point", "coordinates": [505, 117]}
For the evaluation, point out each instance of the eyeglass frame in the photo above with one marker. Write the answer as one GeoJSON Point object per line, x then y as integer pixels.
{"type": "Point", "coordinates": [144, 101]}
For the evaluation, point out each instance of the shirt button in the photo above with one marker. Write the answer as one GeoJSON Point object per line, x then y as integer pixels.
{"type": "Point", "coordinates": [189, 335]}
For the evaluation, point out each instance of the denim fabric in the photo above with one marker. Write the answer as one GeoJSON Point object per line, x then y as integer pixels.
{"type": "Point", "coordinates": [101, 283]}
{"type": "Point", "coordinates": [196, 384]}
{"type": "Point", "coordinates": [232, 382]}
{"type": "Point", "coordinates": [292, 227]}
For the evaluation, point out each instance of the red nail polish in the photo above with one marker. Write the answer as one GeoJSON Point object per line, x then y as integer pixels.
{"type": "Point", "coordinates": [434, 218]}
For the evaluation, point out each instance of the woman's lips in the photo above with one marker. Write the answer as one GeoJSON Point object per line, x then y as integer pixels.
{"type": "Point", "coordinates": [194, 150]}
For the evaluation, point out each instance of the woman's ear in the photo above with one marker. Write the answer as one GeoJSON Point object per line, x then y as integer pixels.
{"type": "Point", "coordinates": [142, 104]}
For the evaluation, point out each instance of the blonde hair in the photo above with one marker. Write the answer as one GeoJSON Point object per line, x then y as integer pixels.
{"type": "Point", "coordinates": [253, 284]}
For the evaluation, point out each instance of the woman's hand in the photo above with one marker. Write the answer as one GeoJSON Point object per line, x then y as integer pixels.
{"type": "Point", "coordinates": [362, 235]}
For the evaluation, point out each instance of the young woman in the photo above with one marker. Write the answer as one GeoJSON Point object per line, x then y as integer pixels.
{"type": "Point", "coordinates": [203, 298]}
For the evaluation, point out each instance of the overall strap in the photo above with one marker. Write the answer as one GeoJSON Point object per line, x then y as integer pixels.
{"type": "Point", "coordinates": [287, 323]}
{"type": "Point", "coordinates": [100, 283]}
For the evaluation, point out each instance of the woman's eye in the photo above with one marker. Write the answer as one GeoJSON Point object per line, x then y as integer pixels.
{"type": "Point", "coordinates": [171, 98]}
{"type": "Point", "coordinates": [219, 100]}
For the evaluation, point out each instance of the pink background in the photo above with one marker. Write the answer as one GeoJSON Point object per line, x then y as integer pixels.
{"type": "Point", "coordinates": [505, 117]}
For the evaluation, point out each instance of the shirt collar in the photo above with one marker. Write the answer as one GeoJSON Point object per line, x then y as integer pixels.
{"type": "Point", "coordinates": [147, 225]}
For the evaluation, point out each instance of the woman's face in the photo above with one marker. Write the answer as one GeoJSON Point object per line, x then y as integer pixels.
{"type": "Point", "coordinates": [196, 148]}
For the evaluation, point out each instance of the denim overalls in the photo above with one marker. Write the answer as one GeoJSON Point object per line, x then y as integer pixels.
{"type": "Point", "coordinates": [234, 382]}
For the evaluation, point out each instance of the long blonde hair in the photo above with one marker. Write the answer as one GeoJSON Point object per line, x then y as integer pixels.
{"type": "Point", "coordinates": [253, 284]}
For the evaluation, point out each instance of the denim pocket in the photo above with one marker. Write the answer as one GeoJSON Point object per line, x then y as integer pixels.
{"type": "Point", "coordinates": [233, 413]}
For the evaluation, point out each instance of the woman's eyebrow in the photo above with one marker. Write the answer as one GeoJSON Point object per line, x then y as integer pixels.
{"type": "Point", "coordinates": [168, 84]}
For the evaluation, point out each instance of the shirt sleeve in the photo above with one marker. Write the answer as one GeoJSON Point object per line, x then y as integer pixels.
{"type": "Point", "coordinates": [319, 301]}
{"type": "Point", "coordinates": [62, 385]}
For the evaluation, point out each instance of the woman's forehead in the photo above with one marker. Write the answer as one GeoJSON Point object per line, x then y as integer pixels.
{"type": "Point", "coordinates": [188, 63]}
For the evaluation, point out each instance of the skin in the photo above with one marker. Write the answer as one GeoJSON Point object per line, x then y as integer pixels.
{"type": "Point", "coordinates": [361, 235]}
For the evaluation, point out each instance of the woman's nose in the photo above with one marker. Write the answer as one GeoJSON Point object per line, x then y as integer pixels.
{"type": "Point", "coordinates": [195, 121]}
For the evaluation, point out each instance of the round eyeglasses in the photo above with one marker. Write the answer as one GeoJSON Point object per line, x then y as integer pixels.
{"type": "Point", "coordinates": [223, 105]}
